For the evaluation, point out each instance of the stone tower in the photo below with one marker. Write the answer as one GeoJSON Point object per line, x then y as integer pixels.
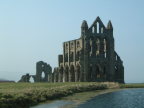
{"type": "Point", "coordinates": [92, 57]}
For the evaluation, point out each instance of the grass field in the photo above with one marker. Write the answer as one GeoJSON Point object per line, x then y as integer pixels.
{"type": "Point", "coordinates": [23, 95]}
{"type": "Point", "coordinates": [132, 85]}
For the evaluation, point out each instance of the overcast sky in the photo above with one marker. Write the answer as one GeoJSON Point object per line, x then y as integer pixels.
{"type": "Point", "coordinates": [34, 30]}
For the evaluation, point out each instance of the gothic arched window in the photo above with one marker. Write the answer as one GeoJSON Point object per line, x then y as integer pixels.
{"type": "Point", "coordinates": [72, 45]}
{"type": "Point", "coordinates": [98, 27]}
{"type": "Point", "coordinates": [78, 44]}
{"type": "Point", "coordinates": [93, 29]}
{"type": "Point", "coordinates": [105, 48]}
{"type": "Point", "coordinates": [97, 47]}
{"type": "Point", "coordinates": [66, 46]}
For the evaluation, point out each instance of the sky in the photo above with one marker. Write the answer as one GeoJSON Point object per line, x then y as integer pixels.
{"type": "Point", "coordinates": [34, 30]}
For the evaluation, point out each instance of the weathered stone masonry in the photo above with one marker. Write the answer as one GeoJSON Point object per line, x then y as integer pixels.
{"type": "Point", "coordinates": [41, 67]}
{"type": "Point", "coordinates": [92, 57]}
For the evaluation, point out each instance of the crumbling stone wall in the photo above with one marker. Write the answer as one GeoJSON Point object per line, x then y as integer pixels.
{"type": "Point", "coordinates": [91, 57]}
{"type": "Point", "coordinates": [25, 78]}
{"type": "Point", "coordinates": [41, 67]}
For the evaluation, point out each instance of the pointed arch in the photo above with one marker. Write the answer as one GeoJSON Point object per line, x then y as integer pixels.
{"type": "Point", "coordinates": [90, 74]}
{"type": "Point", "coordinates": [66, 73]}
{"type": "Point", "coordinates": [31, 80]}
{"type": "Point", "coordinates": [91, 47]}
{"type": "Point", "coordinates": [78, 44]}
{"type": "Point", "coordinates": [43, 75]}
{"type": "Point", "coordinates": [71, 56]}
{"type": "Point", "coordinates": [105, 48]}
{"type": "Point", "coordinates": [77, 55]}
{"type": "Point", "coordinates": [72, 74]}
{"type": "Point", "coordinates": [77, 75]}
{"type": "Point", "coordinates": [93, 29]}
{"type": "Point", "coordinates": [97, 46]}
{"type": "Point", "coordinates": [98, 27]}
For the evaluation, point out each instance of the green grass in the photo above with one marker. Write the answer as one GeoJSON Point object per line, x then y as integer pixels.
{"type": "Point", "coordinates": [133, 85]}
{"type": "Point", "coordinates": [23, 95]}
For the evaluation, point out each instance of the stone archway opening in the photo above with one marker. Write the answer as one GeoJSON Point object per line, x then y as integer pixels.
{"type": "Point", "coordinates": [66, 74]}
{"type": "Point", "coordinates": [31, 80]}
{"type": "Point", "coordinates": [43, 75]}
{"type": "Point", "coordinates": [72, 73]}
{"type": "Point", "coordinates": [90, 75]}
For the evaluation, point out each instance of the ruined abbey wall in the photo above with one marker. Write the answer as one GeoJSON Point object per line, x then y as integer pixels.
{"type": "Point", "coordinates": [90, 58]}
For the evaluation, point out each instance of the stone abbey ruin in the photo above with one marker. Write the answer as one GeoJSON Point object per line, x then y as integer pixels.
{"type": "Point", "coordinates": [90, 58]}
{"type": "Point", "coordinates": [40, 68]}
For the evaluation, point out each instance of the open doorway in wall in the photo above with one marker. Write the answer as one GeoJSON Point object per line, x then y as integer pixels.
{"type": "Point", "coordinates": [31, 80]}
{"type": "Point", "coordinates": [42, 75]}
